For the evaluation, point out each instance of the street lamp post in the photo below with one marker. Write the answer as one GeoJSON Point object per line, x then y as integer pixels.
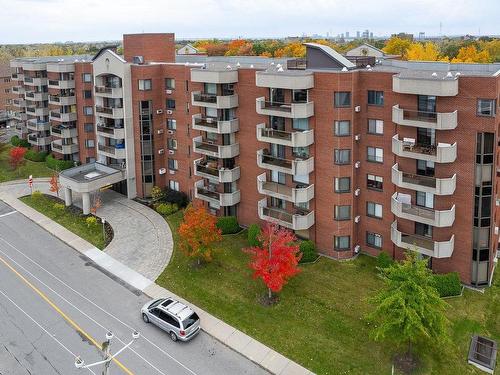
{"type": "Point", "coordinates": [103, 221]}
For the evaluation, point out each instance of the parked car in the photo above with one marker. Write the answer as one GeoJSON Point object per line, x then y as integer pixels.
{"type": "Point", "coordinates": [179, 320]}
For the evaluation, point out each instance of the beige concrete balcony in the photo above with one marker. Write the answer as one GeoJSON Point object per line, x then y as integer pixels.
{"type": "Point", "coordinates": [214, 101]}
{"type": "Point", "coordinates": [442, 153]}
{"type": "Point", "coordinates": [420, 119]}
{"type": "Point", "coordinates": [421, 244]}
{"type": "Point", "coordinates": [37, 140]}
{"type": "Point", "coordinates": [62, 100]}
{"type": "Point", "coordinates": [61, 84]}
{"type": "Point", "coordinates": [288, 166]}
{"type": "Point", "coordinates": [212, 125]}
{"type": "Point", "coordinates": [302, 193]}
{"type": "Point", "coordinates": [214, 75]}
{"type": "Point", "coordinates": [424, 215]}
{"type": "Point", "coordinates": [37, 111]}
{"type": "Point", "coordinates": [436, 186]}
{"type": "Point", "coordinates": [65, 149]}
{"type": "Point", "coordinates": [64, 131]}
{"type": "Point", "coordinates": [209, 170]}
{"type": "Point", "coordinates": [288, 110]}
{"type": "Point", "coordinates": [20, 129]}
{"type": "Point", "coordinates": [17, 77]}
{"type": "Point", "coordinates": [116, 152]}
{"type": "Point", "coordinates": [62, 117]}
{"type": "Point", "coordinates": [425, 85]}
{"type": "Point", "coordinates": [37, 125]}
{"type": "Point", "coordinates": [210, 148]}
{"type": "Point", "coordinates": [293, 139]}
{"type": "Point", "coordinates": [300, 220]}
{"type": "Point", "coordinates": [34, 66]}
{"type": "Point", "coordinates": [108, 92]}
{"type": "Point", "coordinates": [18, 90]}
{"type": "Point", "coordinates": [18, 103]}
{"type": "Point", "coordinates": [36, 96]}
{"type": "Point", "coordinates": [111, 132]}
{"type": "Point", "coordinates": [293, 80]}
{"type": "Point", "coordinates": [35, 81]}
{"type": "Point", "coordinates": [215, 198]}
{"type": "Point", "coordinates": [109, 112]}
{"type": "Point", "coordinates": [60, 67]}
{"type": "Point", "coordinates": [19, 115]}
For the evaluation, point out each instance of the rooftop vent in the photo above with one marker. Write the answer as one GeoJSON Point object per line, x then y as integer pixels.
{"type": "Point", "coordinates": [434, 74]}
{"type": "Point", "coordinates": [138, 60]}
{"type": "Point", "coordinates": [251, 65]}
{"type": "Point", "coordinates": [228, 67]}
{"type": "Point", "coordinates": [280, 69]}
{"type": "Point", "coordinates": [344, 69]}
{"type": "Point", "coordinates": [449, 75]}
{"type": "Point", "coordinates": [238, 64]}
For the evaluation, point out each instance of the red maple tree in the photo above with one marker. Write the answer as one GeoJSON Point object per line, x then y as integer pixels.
{"type": "Point", "coordinates": [198, 233]}
{"type": "Point", "coordinates": [276, 261]}
{"type": "Point", "coordinates": [16, 157]}
{"type": "Point", "coordinates": [55, 186]}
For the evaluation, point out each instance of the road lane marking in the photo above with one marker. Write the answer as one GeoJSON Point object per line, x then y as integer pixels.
{"type": "Point", "coordinates": [8, 213]}
{"type": "Point", "coordinates": [66, 317]}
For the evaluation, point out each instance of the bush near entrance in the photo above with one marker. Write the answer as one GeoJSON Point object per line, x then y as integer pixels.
{"type": "Point", "coordinates": [228, 224]}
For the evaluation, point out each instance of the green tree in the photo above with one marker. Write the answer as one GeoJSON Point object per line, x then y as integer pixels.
{"type": "Point", "coordinates": [409, 309]}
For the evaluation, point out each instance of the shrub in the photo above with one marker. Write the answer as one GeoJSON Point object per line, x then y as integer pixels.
{"type": "Point", "coordinates": [58, 165]}
{"type": "Point", "coordinates": [308, 250]}
{"type": "Point", "coordinates": [447, 284]}
{"type": "Point", "coordinates": [228, 224]}
{"type": "Point", "coordinates": [156, 193]}
{"type": "Point", "coordinates": [59, 206]}
{"type": "Point", "coordinates": [35, 156]}
{"type": "Point", "coordinates": [174, 196]}
{"type": "Point", "coordinates": [166, 209]}
{"type": "Point", "coordinates": [18, 142]}
{"type": "Point", "coordinates": [37, 194]}
{"type": "Point", "coordinates": [253, 234]}
{"type": "Point", "coordinates": [91, 221]}
{"type": "Point", "coordinates": [384, 260]}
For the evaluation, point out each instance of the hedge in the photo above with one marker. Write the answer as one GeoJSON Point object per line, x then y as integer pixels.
{"type": "Point", "coordinates": [253, 234]}
{"type": "Point", "coordinates": [174, 196]}
{"type": "Point", "coordinates": [228, 224]}
{"type": "Point", "coordinates": [308, 250]}
{"type": "Point", "coordinates": [58, 165]}
{"type": "Point", "coordinates": [18, 142]}
{"type": "Point", "coordinates": [166, 209]}
{"type": "Point", "coordinates": [384, 260]}
{"type": "Point", "coordinates": [35, 156]}
{"type": "Point", "coordinates": [447, 284]}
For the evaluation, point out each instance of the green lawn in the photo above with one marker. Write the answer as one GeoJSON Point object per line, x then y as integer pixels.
{"type": "Point", "coordinates": [36, 169]}
{"type": "Point", "coordinates": [319, 320]}
{"type": "Point", "coordinates": [68, 218]}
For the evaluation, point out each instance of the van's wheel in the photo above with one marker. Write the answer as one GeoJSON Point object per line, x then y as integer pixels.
{"type": "Point", "coordinates": [145, 318]}
{"type": "Point", "coordinates": [173, 336]}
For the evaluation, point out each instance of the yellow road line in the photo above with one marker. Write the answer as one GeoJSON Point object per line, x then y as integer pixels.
{"type": "Point", "coordinates": [66, 317]}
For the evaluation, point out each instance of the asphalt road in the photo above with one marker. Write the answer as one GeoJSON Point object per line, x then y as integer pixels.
{"type": "Point", "coordinates": [55, 304]}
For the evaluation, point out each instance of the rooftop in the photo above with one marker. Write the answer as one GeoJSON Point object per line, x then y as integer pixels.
{"type": "Point", "coordinates": [54, 59]}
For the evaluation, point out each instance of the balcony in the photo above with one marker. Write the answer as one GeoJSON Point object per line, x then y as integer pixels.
{"type": "Point", "coordinates": [302, 193]}
{"type": "Point", "coordinates": [292, 80]}
{"type": "Point", "coordinates": [442, 153]}
{"type": "Point", "coordinates": [205, 169]}
{"type": "Point", "coordinates": [109, 112]}
{"type": "Point", "coordinates": [108, 92]}
{"type": "Point", "coordinates": [18, 90]}
{"type": "Point", "coordinates": [436, 186]}
{"type": "Point", "coordinates": [35, 81]}
{"type": "Point", "coordinates": [209, 148]}
{"type": "Point", "coordinates": [420, 119]}
{"type": "Point", "coordinates": [65, 149]}
{"type": "Point", "coordinates": [215, 198]}
{"type": "Point", "coordinates": [214, 76]}
{"type": "Point", "coordinates": [300, 220]}
{"type": "Point", "coordinates": [116, 152]}
{"type": "Point", "coordinates": [111, 132]}
{"type": "Point", "coordinates": [20, 129]}
{"type": "Point", "coordinates": [421, 244]}
{"type": "Point", "coordinates": [288, 110]}
{"type": "Point", "coordinates": [62, 100]}
{"type": "Point", "coordinates": [424, 215]}
{"type": "Point", "coordinates": [61, 84]}
{"type": "Point", "coordinates": [212, 125]}
{"type": "Point", "coordinates": [60, 67]}
{"type": "Point", "coordinates": [37, 111]}
{"type": "Point", "coordinates": [17, 77]}
{"type": "Point", "coordinates": [37, 125]}
{"type": "Point", "coordinates": [36, 140]}
{"type": "Point", "coordinates": [64, 131]}
{"type": "Point", "coordinates": [424, 83]}
{"type": "Point", "coordinates": [36, 96]}
{"type": "Point", "coordinates": [19, 115]}
{"type": "Point", "coordinates": [214, 101]}
{"type": "Point", "coordinates": [288, 166]}
{"type": "Point", "coordinates": [62, 117]}
{"type": "Point", "coordinates": [18, 103]}
{"type": "Point", "coordinates": [293, 139]}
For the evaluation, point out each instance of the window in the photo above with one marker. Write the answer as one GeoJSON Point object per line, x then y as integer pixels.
{"type": "Point", "coordinates": [172, 164]}
{"type": "Point", "coordinates": [374, 209]}
{"type": "Point", "coordinates": [88, 111]}
{"type": "Point", "coordinates": [486, 107]}
{"type": "Point", "coordinates": [423, 230]}
{"type": "Point", "coordinates": [374, 182]}
{"type": "Point", "coordinates": [88, 128]}
{"type": "Point", "coordinates": [7, 91]}
{"type": "Point", "coordinates": [172, 144]}
{"type": "Point", "coordinates": [169, 319]}
{"type": "Point", "coordinates": [342, 184]}
{"type": "Point", "coordinates": [375, 97]}
{"type": "Point", "coordinates": [342, 99]}
{"type": "Point", "coordinates": [342, 157]}
{"type": "Point", "coordinates": [374, 240]}
{"type": "Point", "coordinates": [375, 154]}
{"type": "Point", "coordinates": [375, 126]}
{"type": "Point", "coordinates": [174, 185]}
{"type": "Point", "coordinates": [342, 212]}
{"type": "Point", "coordinates": [342, 243]}
{"type": "Point", "coordinates": [145, 85]}
{"type": "Point", "coordinates": [170, 104]}
{"type": "Point", "coordinates": [342, 128]}
{"type": "Point", "coordinates": [171, 124]}
{"type": "Point", "coordinates": [87, 94]}
{"type": "Point", "coordinates": [298, 123]}
{"type": "Point", "coordinates": [169, 83]}
{"type": "Point", "coordinates": [301, 152]}
{"type": "Point", "coordinates": [87, 77]}
{"type": "Point", "coordinates": [89, 143]}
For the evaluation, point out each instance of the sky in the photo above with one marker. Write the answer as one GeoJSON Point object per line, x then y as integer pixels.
{"type": "Point", "coordinates": [45, 21]}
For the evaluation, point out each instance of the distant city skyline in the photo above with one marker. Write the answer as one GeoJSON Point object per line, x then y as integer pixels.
{"type": "Point", "coordinates": [44, 21]}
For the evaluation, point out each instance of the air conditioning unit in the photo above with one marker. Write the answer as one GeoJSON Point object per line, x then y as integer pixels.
{"type": "Point", "coordinates": [160, 131]}
{"type": "Point", "coordinates": [170, 132]}
{"type": "Point", "coordinates": [357, 192]}
{"type": "Point", "coordinates": [357, 137]}
{"type": "Point", "coordinates": [161, 151]}
{"type": "Point", "coordinates": [357, 219]}
{"type": "Point", "coordinates": [168, 91]}
{"type": "Point", "coordinates": [357, 108]}
{"type": "Point", "coordinates": [162, 170]}
{"type": "Point", "coordinates": [357, 249]}
{"type": "Point", "coordinates": [357, 164]}
{"type": "Point", "coordinates": [169, 111]}
{"type": "Point", "coordinates": [171, 152]}
{"type": "Point", "coordinates": [159, 111]}
{"type": "Point", "coordinates": [496, 230]}
{"type": "Point", "coordinates": [171, 172]}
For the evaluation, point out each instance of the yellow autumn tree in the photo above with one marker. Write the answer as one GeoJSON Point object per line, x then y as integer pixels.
{"type": "Point", "coordinates": [470, 54]}
{"type": "Point", "coordinates": [294, 49]}
{"type": "Point", "coordinates": [397, 46]}
{"type": "Point", "coordinates": [424, 52]}
{"type": "Point", "coordinates": [493, 48]}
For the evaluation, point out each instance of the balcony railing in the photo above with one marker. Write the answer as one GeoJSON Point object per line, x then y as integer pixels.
{"type": "Point", "coordinates": [298, 220]}
{"type": "Point", "coordinates": [302, 193]}
{"type": "Point", "coordinates": [442, 153]}
{"type": "Point", "coordinates": [215, 125]}
{"type": "Point", "coordinates": [202, 168]}
{"type": "Point", "coordinates": [429, 216]}
{"type": "Point", "coordinates": [210, 148]}
{"type": "Point", "coordinates": [437, 186]}
{"type": "Point", "coordinates": [289, 110]}
{"type": "Point", "coordinates": [293, 139]}
{"type": "Point", "coordinates": [433, 120]}
{"type": "Point", "coordinates": [216, 198]}
{"type": "Point", "coordinates": [295, 167]}
{"type": "Point", "coordinates": [224, 101]}
{"type": "Point", "coordinates": [108, 91]}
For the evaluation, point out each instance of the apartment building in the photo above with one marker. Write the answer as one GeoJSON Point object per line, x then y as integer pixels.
{"type": "Point", "coordinates": [354, 153]}
{"type": "Point", "coordinates": [5, 88]}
